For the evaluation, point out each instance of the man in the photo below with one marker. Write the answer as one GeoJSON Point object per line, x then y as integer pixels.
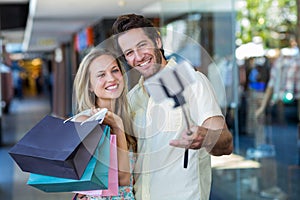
{"type": "Point", "coordinates": [160, 129]}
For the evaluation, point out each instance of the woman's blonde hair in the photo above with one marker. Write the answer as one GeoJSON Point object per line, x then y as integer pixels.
{"type": "Point", "coordinates": [85, 99]}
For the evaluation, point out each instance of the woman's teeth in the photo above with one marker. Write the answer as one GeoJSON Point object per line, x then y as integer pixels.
{"type": "Point", "coordinates": [112, 87]}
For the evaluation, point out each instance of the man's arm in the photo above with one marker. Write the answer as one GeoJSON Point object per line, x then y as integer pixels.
{"type": "Point", "coordinates": [212, 135]}
{"type": "Point", "coordinates": [218, 140]}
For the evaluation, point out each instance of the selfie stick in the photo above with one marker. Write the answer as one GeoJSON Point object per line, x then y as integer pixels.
{"type": "Point", "coordinates": [179, 101]}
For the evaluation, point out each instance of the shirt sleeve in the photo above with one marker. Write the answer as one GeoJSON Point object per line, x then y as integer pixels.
{"type": "Point", "coordinates": [202, 100]}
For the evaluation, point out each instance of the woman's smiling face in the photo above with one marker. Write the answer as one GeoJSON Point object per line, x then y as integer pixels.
{"type": "Point", "coordinates": [106, 78]}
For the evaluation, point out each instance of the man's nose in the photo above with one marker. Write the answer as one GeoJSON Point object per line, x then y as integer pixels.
{"type": "Point", "coordinates": [138, 54]}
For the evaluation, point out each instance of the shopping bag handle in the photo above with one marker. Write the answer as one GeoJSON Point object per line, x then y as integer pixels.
{"type": "Point", "coordinates": [99, 116]}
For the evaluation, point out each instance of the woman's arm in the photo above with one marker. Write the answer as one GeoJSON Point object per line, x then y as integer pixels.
{"type": "Point", "coordinates": [117, 128]}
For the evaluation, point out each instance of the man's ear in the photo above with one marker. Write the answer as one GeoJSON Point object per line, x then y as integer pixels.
{"type": "Point", "coordinates": [158, 43]}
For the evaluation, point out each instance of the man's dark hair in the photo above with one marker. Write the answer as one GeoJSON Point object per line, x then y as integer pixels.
{"type": "Point", "coordinates": [131, 21]}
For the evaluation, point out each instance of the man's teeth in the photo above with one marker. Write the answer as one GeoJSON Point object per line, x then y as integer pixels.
{"type": "Point", "coordinates": [112, 87]}
{"type": "Point", "coordinates": [145, 63]}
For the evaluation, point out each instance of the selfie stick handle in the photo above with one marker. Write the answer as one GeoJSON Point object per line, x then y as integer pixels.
{"type": "Point", "coordinates": [179, 101]}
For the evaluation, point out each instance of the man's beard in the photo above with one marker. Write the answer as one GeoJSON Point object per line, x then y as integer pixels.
{"type": "Point", "coordinates": [157, 65]}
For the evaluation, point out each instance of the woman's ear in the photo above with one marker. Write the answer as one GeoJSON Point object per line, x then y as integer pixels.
{"type": "Point", "coordinates": [91, 91]}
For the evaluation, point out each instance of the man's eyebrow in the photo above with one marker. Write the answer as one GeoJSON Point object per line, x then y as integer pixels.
{"type": "Point", "coordinates": [142, 41]}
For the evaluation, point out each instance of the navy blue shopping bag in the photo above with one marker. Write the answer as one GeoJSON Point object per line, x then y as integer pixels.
{"type": "Point", "coordinates": [57, 148]}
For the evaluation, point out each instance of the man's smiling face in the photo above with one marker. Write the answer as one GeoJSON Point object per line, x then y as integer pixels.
{"type": "Point", "coordinates": [141, 52]}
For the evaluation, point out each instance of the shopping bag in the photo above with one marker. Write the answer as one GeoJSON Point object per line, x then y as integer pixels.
{"type": "Point", "coordinates": [57, 148]}
{"type": "Point", "coordinates": [113, 180]}
{"type": "Point", "coordinates": [95, 176]}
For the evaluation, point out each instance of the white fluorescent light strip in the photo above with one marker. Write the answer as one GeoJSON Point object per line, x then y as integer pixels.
{"type": "Point", "coordinates": [29, 25]}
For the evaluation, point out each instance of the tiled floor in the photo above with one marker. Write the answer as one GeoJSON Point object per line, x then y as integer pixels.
{"type": "Point", "coordinates": [243, 180]}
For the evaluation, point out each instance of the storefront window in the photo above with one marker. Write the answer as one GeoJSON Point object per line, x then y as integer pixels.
{"type": "Point", "coordinates": [265, 161]}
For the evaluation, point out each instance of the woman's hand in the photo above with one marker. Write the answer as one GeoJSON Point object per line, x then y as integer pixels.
{"type": "Point", "coordinates": [115, 122]}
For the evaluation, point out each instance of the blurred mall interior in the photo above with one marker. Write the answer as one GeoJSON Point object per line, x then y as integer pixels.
{"type": "Point", "coordinates": [43, 42]}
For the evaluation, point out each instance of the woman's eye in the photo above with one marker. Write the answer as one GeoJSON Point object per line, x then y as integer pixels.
{"type": "Point", "coordinates": [115, 71]}
{"type": "Point", "coordinates": [101, 75]}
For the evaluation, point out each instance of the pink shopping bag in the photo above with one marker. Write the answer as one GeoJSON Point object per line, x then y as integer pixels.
{"type": "Point", "coordinates": [113, 181]}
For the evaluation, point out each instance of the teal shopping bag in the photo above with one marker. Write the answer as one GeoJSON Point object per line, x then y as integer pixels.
{"type": "Point", "coordinates": [95, 176]}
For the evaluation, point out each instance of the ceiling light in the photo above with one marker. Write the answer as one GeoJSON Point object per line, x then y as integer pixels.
{"type": "Point", "coordinates": [121, 3]}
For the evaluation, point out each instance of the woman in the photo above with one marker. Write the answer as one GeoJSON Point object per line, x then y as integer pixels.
{"type": "Point", "coordinates": [99, 83]}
